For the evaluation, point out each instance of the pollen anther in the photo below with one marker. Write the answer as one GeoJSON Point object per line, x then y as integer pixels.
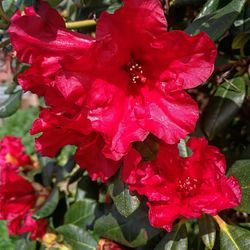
{"type": "Point", "coordinates": [136, 73]}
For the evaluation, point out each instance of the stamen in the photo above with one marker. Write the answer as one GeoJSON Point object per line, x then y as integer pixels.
{"type": "Point", "coordinates": [187, 187]}
{"type": "Point", "coordinates": [136, 73]}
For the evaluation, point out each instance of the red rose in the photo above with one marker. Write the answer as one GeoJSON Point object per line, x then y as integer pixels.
{"type": "Point", "coordinates": [177, 186]}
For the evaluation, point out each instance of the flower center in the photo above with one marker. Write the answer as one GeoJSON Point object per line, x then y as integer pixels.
{"type": "Point", "coordinates": [188, 186]}
{"type": "Point", "coordinates": [136, 73]}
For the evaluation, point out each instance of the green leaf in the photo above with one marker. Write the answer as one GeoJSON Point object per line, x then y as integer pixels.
{"type": "Point", "coordinates": [6, 242]}
{"type": "Point", "coordinates": [241, 170]}
{"type": "Point", "coordinates": [54, 3]}
{"type": "Point", "coordinates": [208, 8]}
{"type": "Point", "coordinates": [11, 105]}
{"type": "Point", "coordinates": [240, 41]}
{"type": "Point", "coordinates": [218, 22]}
{"type": "Point", "coordinates": [224, 105]}
{"type": "Point", "coordinates": [49, 206]}
{"type": "Point", "coordinates": [234, 238]}
{"type": "Point", "coordinates": [133, 231]}
{"type": "Point", "coordinates": [125, 202]}
{"type": "Point", "coordinates": [77, 238]}
{"type": "Point", "coordinates": [207, 231]}
{"type": "Point", "coordinates": [23, 244]}
{"type": "Point", "coordinates": [176, 240]}
{"type": "Point", "coordinates": [81, 213]}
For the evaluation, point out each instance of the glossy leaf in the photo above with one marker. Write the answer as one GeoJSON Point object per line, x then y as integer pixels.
{"type": "Point", "coordinates": [11, 104]}
{"type": "Point", "coordinates": [218, 22]}
{"type": "Point", "coordinates": [81, 213]}
{"type": "Point", "coordinates": [241, 170]}
{"type": "Point", "coordinates": [207, 231]}
{"type": "Point", "coordinates": [209, 7]}
{"type": "Point", "coordinates": [77, 238]}
{"type": "Point", "coordinates": [234, 238]}
{"type": "Point", "coordinates": [125, 202]}
{"type": "Point", "coordinates": [49, 206]}
{"type": "Point", "coordinates": [133, 231]}
{"type": "Point", "coordinates": [224, 105]}
{"type": "Point", "coordinates": [176, 240]}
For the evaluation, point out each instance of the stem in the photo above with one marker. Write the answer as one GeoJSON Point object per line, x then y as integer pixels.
{"type": "Point", "coordinates": [2, 13]}
{"type": "Point", "coordinates": [80, 24]}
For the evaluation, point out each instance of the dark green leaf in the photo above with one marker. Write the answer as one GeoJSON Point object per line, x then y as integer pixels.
{"type": "Point", "coordinates": [176, 240]}
{"type": "Point", "coordinates": [54, 3]}
{"type": "Point", "coordinates": [133, 231]}
{"type": "Point", "coordinates": [241, 170]}
{"type": "Point", "coordinates": [234, 238]}
{"type": "Point", "coordinates": [81, 213]}
{"type": "Point", "coordinates": [186, 2]}
{"type": "Point", "coordinates": [224, 105]}
{"type": "Point", "coordinates": [49, 206]}
{"type": "Point", "coordinates": [208, 8]}
{"type": "Point", "coordinates": [11, 105]}
{"type": "Point", "coordinates": [77, 238]}
{"type": "Point", "coordinates": [125, 202]}
{"type": "Point", "coordinates": [218, 22]}
{"type": "Point", "coordinates": [207, 231]}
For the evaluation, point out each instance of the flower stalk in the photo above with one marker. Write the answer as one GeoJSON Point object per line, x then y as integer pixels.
{"type": "Point", "coordinates": [81, 24]}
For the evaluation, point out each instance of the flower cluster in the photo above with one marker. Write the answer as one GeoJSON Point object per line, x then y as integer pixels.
{"type": "Point", "coordinates": [105, 93]}
{"type": "Point", "coordinates": [17, 205]}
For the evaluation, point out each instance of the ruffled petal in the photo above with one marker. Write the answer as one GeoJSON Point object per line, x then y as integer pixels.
{"type": "Point", "coordinates": [183, 61]}
{"type": "Point", "coordinates": [169, 117]}
{"type": "Point", "coordinates": [89, 156]}
{"type": "Point", "coordinates": [59, 130]}
{"type": "Point", "coordinates": [114, 118]}
{"type": "Point", "coordinates": [130, 162]}
{"type": "Point", "coordinates": [129, 19]}
{"type": "Point", "coordinates": [53, 39]}
{"type": "Point", "coordinates": [162, 215]}
{"type": "Point", "coordinates": [37, 228]}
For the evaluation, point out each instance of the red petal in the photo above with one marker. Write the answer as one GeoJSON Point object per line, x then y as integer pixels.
{"type": "Point", "coordinates": [114, 118]}
{"type": "Point", "coordinates": [170, 117]}
{"type": "Point", "coordinates": [183, 61]}
{"type": "Point", "coordinates": [89, 156]}
{"type": "Point", "coordinates": [130, 18]}
{"type": "Point", "coordinates": [58, 131]}
{"type": "Point", "coordinates": [43, 34]}
{"type": "Point", "coordinates": [130, 162]}
{"type": "Point", "coordinates": [162, 215]}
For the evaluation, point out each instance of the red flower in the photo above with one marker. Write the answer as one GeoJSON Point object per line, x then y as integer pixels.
{"type": "Point", "coordinates": [17, 200]}
{"type": "Point", "coordinates": [185, 187]}
{"type": "Point", "coordinates": [17, 195]}
{"type": "Point", "coordinates": [12, 151]}
{"type": "Point", "coordinates": [128, 82]}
